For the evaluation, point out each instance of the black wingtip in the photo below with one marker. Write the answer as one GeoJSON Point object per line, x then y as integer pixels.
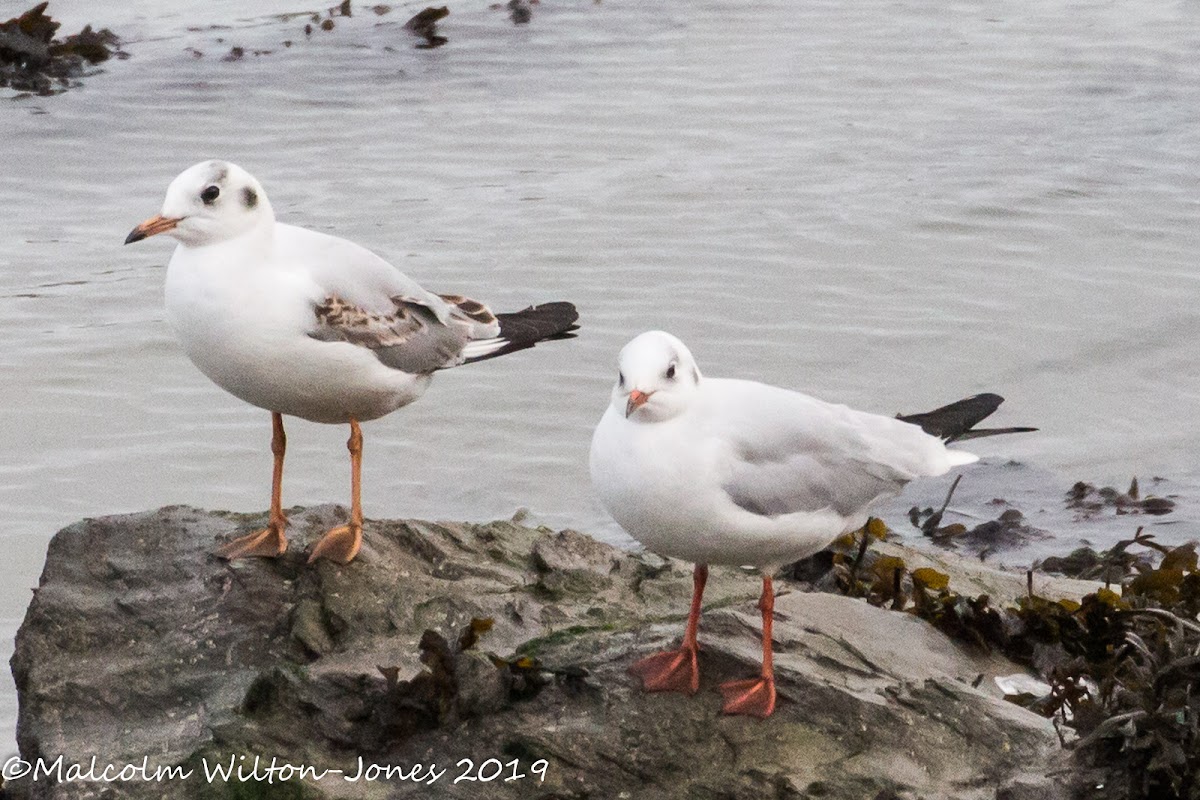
{"type": "Point", "coordinates": [957, 421]}
{"type": "Point", "coordinates": [548, 322]}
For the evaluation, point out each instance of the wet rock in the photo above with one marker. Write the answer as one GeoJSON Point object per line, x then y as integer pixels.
{"type": "Point", "coordinates": [973, 578]}
{"type": "Point", "coordinates": [570, 562]}
{"type": "Point", "coordinates": [33, 60]}
{"type": "Point", "coordinates": [444, 642]}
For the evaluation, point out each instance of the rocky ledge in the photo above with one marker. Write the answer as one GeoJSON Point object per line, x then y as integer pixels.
{"type": "Point", "coordinates": [491, 652]}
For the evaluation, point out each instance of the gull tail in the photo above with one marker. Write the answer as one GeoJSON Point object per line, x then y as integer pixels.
{"type": "Point", "coordinates": [523, 329]}
{"type": "Point", "coordinates": [957, 421]}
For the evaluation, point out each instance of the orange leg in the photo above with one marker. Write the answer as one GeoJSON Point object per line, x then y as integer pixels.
{"type": "Point", "coordinates": [756, 697]}
{"type": "Point", "coordinates": [676, 670]}
{"type": "Point", "coordinates": [342, 543]}
{"type": "Point", "coordinates": [271, 541]}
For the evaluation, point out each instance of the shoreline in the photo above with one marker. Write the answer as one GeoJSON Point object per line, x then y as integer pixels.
{"type": "Point", "coordinates": [457, 633]}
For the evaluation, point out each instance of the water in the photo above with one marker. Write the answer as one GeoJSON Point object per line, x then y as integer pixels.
{"type": "Point", "coordinates": [889, 205]}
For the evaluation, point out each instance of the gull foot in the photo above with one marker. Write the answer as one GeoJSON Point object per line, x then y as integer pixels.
{"type": "Point", "coordinates": [267, 543]}
{"type": "Point", "coordinates": [339, 545]}
{"type": "Point", "coordinates": [754, 697]}
{"type": "Point", "coordinates": [670, 671]}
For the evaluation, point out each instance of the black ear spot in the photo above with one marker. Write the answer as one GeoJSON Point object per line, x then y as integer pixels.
{"type": "Point", "coordinates": [249, 197]}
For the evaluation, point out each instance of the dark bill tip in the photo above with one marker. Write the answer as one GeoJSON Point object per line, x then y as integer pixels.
{"type": "Point", "coordinates": [151, 227]}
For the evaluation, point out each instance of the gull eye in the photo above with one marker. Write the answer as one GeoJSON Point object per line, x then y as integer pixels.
{"type": "Point", "coordinates": [210, 194]}
{"type": "Point", "coordinates": [671, 372]}
{"type": "Point", "coordinates": [620, 379]}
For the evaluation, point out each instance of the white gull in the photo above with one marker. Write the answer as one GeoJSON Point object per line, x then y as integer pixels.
{"type": "Point", "coordinates": [721, 471]}
{"type": "Point", "coordinates": [306, 324]}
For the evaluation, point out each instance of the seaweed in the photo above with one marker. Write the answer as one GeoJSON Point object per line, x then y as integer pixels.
{"type": "Point", "coordinates": [519, 11]}
{"type": "Point", "coordinates": [424, 24]}
{"type": "Point", "coordinates": [1122, 664]}
{"type": "Point", "coordinates": [33, 60]}
{"type": "Point", "coordinates": [1091, 501]}
{"type": "Point", "coordinates": [1009, 530]}
{"type": "Point", "coordinates": [458, 682]}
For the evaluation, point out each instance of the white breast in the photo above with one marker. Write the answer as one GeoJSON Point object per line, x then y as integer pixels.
{"type": "Point", "coordinates": [244, 324]}
{"type": "Point", "coordinates": [662, 482]}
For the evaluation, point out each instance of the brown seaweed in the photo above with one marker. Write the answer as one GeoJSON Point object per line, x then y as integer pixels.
{"type": "Point", "coordinates": [424, 25]}
{"type": "Point", "coordinates": [33, 60]}
{"type": "Point", "coordinates": [1090, 501]}
{"type": "Point", "coordinates": [1123, 664]}
{"type": "Point", "coordinates": [458, 683]}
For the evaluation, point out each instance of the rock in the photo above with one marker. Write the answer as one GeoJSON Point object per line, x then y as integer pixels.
{"type": "Point", "coordinates": [489, 650]}
{"type": "Point", "coordinates": [1026, 789]}
{"type": "Point", "coordinates": [971, 577]}
{"type": "Point", "coordinates": [570, 562]}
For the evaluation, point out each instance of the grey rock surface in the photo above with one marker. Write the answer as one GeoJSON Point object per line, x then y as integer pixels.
{"type": "Point", "coordinates": [140, 647]}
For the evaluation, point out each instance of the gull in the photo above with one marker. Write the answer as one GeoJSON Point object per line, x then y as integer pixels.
{"type": "Point", "coordinates": [309, 325]}
{"type": "Point", "coordinates": [722, 471]}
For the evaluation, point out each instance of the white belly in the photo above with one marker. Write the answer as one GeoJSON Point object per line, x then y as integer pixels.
{"type": "Point", "coordinates": [675, 505]}
{"type": "Point", "coordinates": [249, 338]}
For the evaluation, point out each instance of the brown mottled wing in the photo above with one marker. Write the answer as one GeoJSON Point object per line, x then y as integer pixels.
{"type": "Point", "coordinates": [465, 308]}
{"type": "Point", "coordinates": [410, 338]}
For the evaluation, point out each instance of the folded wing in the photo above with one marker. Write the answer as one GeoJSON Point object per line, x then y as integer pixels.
{"type": "Point", "coordinates": [410, 338]}
{"type": "Point", "coordinates": [789, 453]}
{"type": "Point", "coordinates": [365, 301]}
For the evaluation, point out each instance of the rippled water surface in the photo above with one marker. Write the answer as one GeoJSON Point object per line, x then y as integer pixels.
{"type": "Point", "coordinates": [889, 205]}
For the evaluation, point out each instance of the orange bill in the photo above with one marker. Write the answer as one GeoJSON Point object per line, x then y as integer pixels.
{"type": "Point", "coordinates": [155, 225]}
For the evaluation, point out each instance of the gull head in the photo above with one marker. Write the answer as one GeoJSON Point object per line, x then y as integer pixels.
{"type": "Point", "coordinates": [209, 203]}
{"type": "Point", "coordinates": [657, 378]}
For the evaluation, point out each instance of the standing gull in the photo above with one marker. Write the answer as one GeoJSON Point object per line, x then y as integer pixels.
{"type": "Point", "coordinates": [302, 323]}
{"type": "Point", "coordinates": [719, 471]}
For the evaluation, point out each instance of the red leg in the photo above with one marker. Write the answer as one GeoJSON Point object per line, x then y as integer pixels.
{"type": "Point", "coordinates": [756, 697]}
{"type": "Point", "coordinates": [676, 670]}
{"type": "Point", "coordinates": [271, 541]}
{"type": "Point", "coordinates": [341, 544]}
